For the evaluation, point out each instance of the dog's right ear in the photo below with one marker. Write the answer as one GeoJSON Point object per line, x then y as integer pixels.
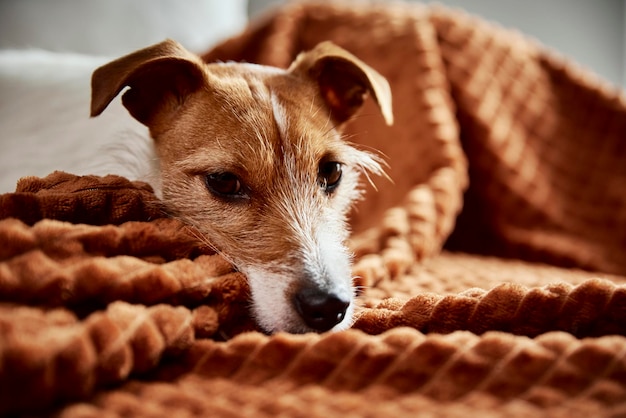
{"type": "Point", "coordinates": [160, 78]}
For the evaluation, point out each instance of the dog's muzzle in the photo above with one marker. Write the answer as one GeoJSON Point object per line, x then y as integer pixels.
{"type": "Point", "coordinates": [320, 311]}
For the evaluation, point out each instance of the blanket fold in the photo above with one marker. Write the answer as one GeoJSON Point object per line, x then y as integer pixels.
{"type": "Point", "coordinates": [491, 272]}
{"type": "Point", "coordinates": [63, 197]}
{"type": "Point", "coordinates": [443, 367]}
{"type": "Point", "coordinates": [594, 308]}
{"type": "Point", "coordinates": [52, 357]}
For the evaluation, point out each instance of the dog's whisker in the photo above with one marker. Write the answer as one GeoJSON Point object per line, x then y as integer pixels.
{"type": "Point", "coordinates": [194, 229]}
{"type": "Point", "coordinates": [312, 110]}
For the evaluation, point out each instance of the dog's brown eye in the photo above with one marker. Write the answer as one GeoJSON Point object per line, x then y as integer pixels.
{"type": "Point", "coordinates": [329, 175]}
{"type": "Point", "coordinates": [224, 185]}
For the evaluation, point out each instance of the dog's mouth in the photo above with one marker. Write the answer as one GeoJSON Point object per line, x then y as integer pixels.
{"type": "Point", "coordinates": [280, 303]}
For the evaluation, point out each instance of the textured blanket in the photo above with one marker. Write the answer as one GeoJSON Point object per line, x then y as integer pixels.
{"type": "Point", "coordinates": [492, 271]}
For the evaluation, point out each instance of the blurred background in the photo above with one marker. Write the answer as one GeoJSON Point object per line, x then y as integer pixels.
{"type": "Point", "coordinates": [49, 48]}
{"type": "Point", "coordinates": [593, 33]}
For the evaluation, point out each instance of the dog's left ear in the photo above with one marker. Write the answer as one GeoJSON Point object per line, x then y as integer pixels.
{"type": "Point", "coordinates": [343, 80]}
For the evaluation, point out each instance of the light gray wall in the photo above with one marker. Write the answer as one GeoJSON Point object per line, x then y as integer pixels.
{"type": "Point", "coordinates": [255, 7]}
{"type": "Point", "coordinates": [592, 33]}
{"type": "Point", "coordinates": [589, 32]}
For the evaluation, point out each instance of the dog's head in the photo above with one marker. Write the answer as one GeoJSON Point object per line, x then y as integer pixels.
{"type": "Point", "coordinates": [253, 157]}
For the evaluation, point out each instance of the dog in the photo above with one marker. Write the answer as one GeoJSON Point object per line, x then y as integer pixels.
{"type": "Point", "coordinates": [253, 157]}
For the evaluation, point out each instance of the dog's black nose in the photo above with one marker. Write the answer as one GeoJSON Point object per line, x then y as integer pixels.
{"type": "Point", "coordinates": [320, 311]}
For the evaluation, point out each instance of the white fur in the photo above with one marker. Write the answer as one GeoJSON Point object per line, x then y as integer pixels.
{"type": "Point", "coordinates": [322, 260]}
{"type": "Point", "coordinates": [273, 310]}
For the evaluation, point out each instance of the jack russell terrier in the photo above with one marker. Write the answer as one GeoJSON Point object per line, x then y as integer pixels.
{"type": "Point", "coordinates": [253, 157]}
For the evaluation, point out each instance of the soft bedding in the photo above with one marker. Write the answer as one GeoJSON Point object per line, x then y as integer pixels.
{"type": "Point", "coordinates": [491, 272]}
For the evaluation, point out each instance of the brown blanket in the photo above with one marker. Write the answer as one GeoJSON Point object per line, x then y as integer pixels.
{"type": "Point", "coordinates": [110, 308]}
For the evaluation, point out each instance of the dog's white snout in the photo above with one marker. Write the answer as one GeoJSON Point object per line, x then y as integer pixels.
{"type": "Point", "coordinates": [320, 310]}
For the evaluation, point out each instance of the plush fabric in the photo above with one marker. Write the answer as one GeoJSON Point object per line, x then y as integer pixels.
{"type": "Point", "coordinates": [491, 272]}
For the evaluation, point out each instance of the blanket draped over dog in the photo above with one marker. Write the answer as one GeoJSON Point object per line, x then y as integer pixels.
{"type": "Point", "coordinates": [492, 270]}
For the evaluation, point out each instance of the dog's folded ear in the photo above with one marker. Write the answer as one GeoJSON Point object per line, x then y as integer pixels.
{"type": "Point", "coordinates": [160, 77]}
{"type": "Point", "coordinates": [343, 80]}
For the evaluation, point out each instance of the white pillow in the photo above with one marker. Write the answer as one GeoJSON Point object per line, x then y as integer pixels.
{"type": "Point", "coordinates": [45, 96]}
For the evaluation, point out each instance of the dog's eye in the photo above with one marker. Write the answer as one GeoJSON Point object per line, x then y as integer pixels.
{"type": "Point", "coordinates": [224, 185]}
{"type": "Point", "coordinates": [329, 175]}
